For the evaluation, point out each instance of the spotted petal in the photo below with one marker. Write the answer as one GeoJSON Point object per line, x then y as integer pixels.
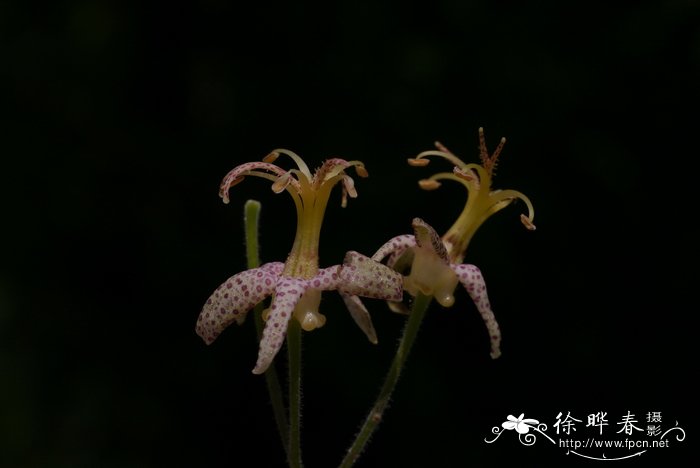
{"type": "Point", "coordinates": [234, 298]}
{"type": "Point", "coordinates": [237, 174]}
{"type": "Point", "coordinates": [427, 238]}
{"type": "Point", "coordinates": [431, 273]}
{"type": "Point", "coordinates": [326, 279]}
{"type": "Point", "coordinates": [472, 280]}
{"type": "Point", "coordinates": [287, 294]}
{"type": "Point", "coordinates": [394, 248]}
{"type": "Point", "coordinates": [362, 276]}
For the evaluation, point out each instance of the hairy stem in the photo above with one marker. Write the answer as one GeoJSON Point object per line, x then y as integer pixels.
{"type": "Point", "coordinates": [294, 353]}
{"type": "Point", "coordinates": [420, 306]}
{"type": "Point", "coordinates": [251, 217]}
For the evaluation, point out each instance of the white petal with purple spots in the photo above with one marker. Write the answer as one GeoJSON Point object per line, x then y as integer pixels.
{"type": "Point", "coordinates": [287, 295]}
{"type": "Point", "coordinates": [362, 276]}
{"type": "Point", "coordinates": [471, 278]}
{"type": "Point", "coordinates": [234, 298]}
{"type": "Point", "coordinates": [326, 279]}
{"type": "Point", "coordinates": [394, 247]}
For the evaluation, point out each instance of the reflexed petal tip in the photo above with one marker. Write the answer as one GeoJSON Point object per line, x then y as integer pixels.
{"type": "Point", "coordinates": [287, 295]}
{"type": "Point", "coordinates": [471, 278]}
{"type": "Point", "coordinates": [237, 174]}
{"type": "Point", "coordinates": [234, 298]}
{"type": "Point", "coordinates": [226, 186]}
{"type": "Point", "coordinates": [395, 246]}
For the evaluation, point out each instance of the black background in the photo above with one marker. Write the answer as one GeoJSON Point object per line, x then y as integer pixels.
{"type": "Point", "coordinates": [120, 119]}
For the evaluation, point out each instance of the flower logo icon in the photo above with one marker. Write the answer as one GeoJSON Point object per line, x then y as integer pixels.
{"type": "Point", "coordinates": [521, 426]}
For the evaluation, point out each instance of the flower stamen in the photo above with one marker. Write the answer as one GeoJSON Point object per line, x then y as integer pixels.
{"type": "Point", "coordinates": [360, 169]}
{"type": "Point", "coordinates": [482, 201]}
{"type": "Point", "coordinates": [238, 173]}
{"type": "Point", "coordinates": [299, 162]}
{"type": "Point", "coordinates": [296, 285]}
{"type": "Point", "coordinates": [429, 184]}
{"type": "Point", "coordinates": [527, 222]}
{"type": "Point", "coordinates": [271, 157]}
{"type": "Point", "coordinates": [418, 162]}
{"type": "Point", "coordinates": [281, 183]}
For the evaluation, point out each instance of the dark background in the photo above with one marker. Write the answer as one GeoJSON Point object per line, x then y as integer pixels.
{"type": "Point", "coordinates": [118, 121]}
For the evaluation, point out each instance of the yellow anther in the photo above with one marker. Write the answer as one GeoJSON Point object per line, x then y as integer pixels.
{"type": "Point", "coordinates": [280, 184]}
{"type": "Point", "coordinates": [429, 184]}
{"type": "Point", "coordinates": [418, 162]}
{"type": "Point", "coordinates": [526, 221]}
{"type": "Point", "coordinates": [270, 158]}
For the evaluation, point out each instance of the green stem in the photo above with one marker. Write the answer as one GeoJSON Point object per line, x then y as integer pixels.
{"type": "Point", "coordinates": [294, 353]}
{"type": "Point", "coordinates": [420, 306]}
{"type": "Point", "coordinates": [251, 217]}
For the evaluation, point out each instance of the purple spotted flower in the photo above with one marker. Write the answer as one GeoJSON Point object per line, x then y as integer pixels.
{"type": "Point", "coordinates": [296, 285]}
{"type": "Point", "coordinates": [436, 263]}
{"type": "Point", "coordinates": [433, 274]}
